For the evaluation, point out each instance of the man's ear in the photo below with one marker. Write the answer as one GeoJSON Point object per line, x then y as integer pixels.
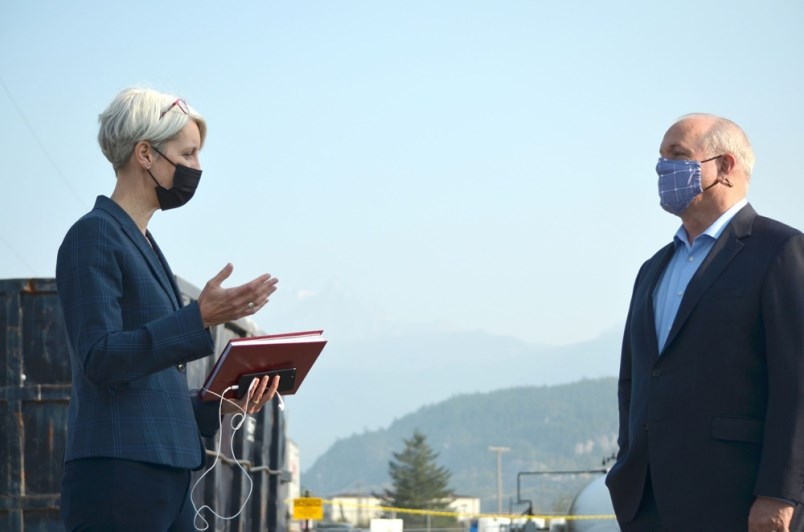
{"type": "Point", "coordinates": [726, 169]}
{"type": "Point", "coordinates": [727, 165]}
{"type": "Point", "coordinates": [143, 154]}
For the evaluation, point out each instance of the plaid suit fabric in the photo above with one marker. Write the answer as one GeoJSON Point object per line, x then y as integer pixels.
{"type": "Point", "coordinates": [128, 332]}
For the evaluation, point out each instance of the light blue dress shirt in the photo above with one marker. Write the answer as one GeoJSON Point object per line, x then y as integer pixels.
{"type": "Point", "coordinates": [685, 262]}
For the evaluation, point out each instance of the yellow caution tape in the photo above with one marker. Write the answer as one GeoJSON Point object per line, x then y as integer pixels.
{"type": "Point", "coordinates": [415, 511]}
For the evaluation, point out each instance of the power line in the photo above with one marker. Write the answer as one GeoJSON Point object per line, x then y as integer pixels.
{"type": "Point", "coordinates": [52, 163]}
{"type": "Point", "coordinates": [41, 145]}
{"type": "Point", "coordinates": [19, 257]}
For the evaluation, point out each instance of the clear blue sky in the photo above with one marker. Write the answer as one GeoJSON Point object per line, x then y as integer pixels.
{"type": "Point", "coordinates": [488, 164]}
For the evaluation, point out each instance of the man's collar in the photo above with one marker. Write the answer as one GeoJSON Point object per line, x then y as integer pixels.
{"type": "Point", "coordinates": [717, 227]}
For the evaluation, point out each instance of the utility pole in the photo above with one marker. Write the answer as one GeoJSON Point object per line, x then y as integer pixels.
{"type": "Point", "coordinates": [499, 451]}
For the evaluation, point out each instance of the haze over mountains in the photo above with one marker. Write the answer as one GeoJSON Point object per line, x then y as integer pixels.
{"type": "Point", "coordinates": [546, 428]}
{"type": "Point", "coordinates": [374, 371]}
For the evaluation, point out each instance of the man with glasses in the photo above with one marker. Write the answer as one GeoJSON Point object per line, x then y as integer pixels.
{"type": "Point", "coordinates": [711, 386]}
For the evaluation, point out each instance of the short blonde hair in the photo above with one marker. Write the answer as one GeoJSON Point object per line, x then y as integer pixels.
{"type": "Point", "coordinates": [724, 136]}
{"type": "Point", "coordinates": [138, 114]}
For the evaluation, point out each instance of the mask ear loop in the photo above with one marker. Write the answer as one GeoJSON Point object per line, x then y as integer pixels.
{"type": "Point", "coordinates": [236, 422]}
{"type": "Point", "coordinates": [719, 181]}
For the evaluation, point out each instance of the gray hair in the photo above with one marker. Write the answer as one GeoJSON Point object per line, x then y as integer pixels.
{"type": "Point", "coordinates": [727, 137]}
{"type": "Point", "coordinates": [138, 114]}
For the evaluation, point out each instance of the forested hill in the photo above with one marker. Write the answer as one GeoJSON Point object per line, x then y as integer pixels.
{"type": "Point", "coordinates": [570, 426]}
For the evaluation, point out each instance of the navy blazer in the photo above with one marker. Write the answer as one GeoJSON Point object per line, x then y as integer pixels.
{"type": "Point", "coordinates": [718, 418]}
{"type": "Point", "coordinates": [129, 339]}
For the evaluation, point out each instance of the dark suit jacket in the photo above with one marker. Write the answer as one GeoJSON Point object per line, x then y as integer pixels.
{"type": "Point", "coordinates": [719, 416]}
{"type": "Point", "coordinates": [129, 337]}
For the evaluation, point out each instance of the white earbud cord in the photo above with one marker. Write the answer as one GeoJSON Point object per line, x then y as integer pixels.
{"type": "Point", "coordinates": [236, 422]}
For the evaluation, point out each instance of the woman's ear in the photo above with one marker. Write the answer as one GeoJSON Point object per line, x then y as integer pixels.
{"type": "Point", "coordinates": [143, 154]}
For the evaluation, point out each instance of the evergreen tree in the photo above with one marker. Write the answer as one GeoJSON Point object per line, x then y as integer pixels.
{"type": "Point", "coordinates": [418, 483]}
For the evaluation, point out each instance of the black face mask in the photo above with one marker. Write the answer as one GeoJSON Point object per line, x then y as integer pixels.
{"type": "Point", "coordinates": [185, 181]}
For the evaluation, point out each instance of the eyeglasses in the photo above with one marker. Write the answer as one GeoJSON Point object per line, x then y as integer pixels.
{"type": "Point", "coordinates": [181, 104]}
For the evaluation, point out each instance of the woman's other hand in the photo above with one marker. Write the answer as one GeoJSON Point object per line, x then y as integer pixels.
{"type": "Point", "coordinates": [260, 393]}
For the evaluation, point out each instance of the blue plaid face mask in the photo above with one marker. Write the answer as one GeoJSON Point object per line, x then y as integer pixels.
{"type": "Point", "coordinates": [680, 182]}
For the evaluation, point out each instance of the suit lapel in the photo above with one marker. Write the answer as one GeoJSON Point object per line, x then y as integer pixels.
{"type": "Point", "coordinates": [153, 257]}
{"type": "Point", "coordinates": [166, 269]}
{"type": "Point", "coordinates": [652, 275]}
{"type": "Point", "coordinates": [725, 249]}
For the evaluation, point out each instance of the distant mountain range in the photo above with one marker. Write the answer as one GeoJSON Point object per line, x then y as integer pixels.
{"type": "Point", "coordinates": [374, 371]}
{"type": "Point", "coordinates": [560, 427]}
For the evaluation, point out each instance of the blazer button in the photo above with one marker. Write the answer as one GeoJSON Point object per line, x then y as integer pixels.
{"type": "Point", "coordinates": [181, 367]}
{"type": "Point", "coordinates": [656, 372]}
{"type": "Point", "coordinates": [645, 426]}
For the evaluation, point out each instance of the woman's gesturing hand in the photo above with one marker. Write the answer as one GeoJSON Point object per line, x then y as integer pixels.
{"type": "Point", "coordinates": [219, 305]}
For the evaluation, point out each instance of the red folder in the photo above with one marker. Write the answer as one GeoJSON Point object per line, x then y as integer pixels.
{"type": "Point", "coordinates": [262, 354]}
